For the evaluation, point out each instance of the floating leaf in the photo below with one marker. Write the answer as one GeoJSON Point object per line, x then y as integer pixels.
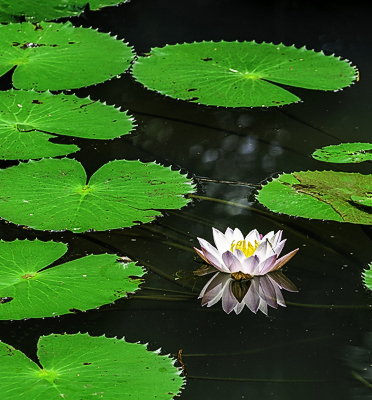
{"type": "Point", "coordinates": [46, 10]}
{"type": "Point", "coordinates": [345, 153]}
{"type": "Point", "coordinates": [26, 116]}
{"type": "Point", "coordinates": [367, 277]}
{"type": "Point", "coordinates": [36, 11]}
{"type": "Point", "coordinates": [83, 367]}
{"type": "Point", "coordinates": [234, 74]}
{"type": "Point", "coordinates": [337, 196]}
{"type": "Point", "coordinates": [28, 290]}
{"type": "Point", "coordinates": [58, 56]}
{"type": "Point", "coordinates": [97, 4]}
{"type": "Point", "coordinates": [53, 194]}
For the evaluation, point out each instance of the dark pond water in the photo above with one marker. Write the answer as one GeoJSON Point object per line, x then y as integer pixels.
{"type": "Point", "coordinates": [307, 350]}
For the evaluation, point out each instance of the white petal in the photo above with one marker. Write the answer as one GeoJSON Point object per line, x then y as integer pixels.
{"type": "Point", "coordinates": [263, 250]}
{"type": "Point", "coordinates": [237, 235]}
{"type": "Point", "coordinates": [276, 238]}
{"type": "Point", "coordinates": [268, 236]}
{"type": "Point", "coordinates": [229, 234]}
{"type": "Point", "coordinates": [252, 236]}
{"type": "Point", "coordinates": [220, 241]}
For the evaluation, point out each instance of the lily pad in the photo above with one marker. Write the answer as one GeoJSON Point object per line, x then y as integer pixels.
{"type": "Point", "coordinates": [83, 367]}
{"type": "Point", "coordinates": [239, 74]}
{"type": "Point", "coordinates": [27, 116]}
{"type": "Point", "coordinates": [28, 290]}
{"type": "Point", "coordinates": [46, 10]}
{"type": "Point", "coordinates": [97, 4]}
{"type": "Point", "coordinates": [53, 194]}
{"type": "Point", "coordinates": [58, 56]}
{"type": "Point", "coordinates": [367, 277]}
{"type": "Point", "coordinates": [337, 196]}
{"type": "Point", "coordinates": [345, 153]}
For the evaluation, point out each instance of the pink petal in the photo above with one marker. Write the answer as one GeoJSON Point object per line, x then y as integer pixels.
{"type": "Point", "coordinates": [262, 250]}
{"type": "Point", "coordinates": [282, 281]}
{"type": "Point", "coordinates": [267, 292]}
{"type": "Point", "coordinates": [279, 247]}
{"type": "Point", "coordinates": [201, 254]}
{"type": "Point", "coordinates": [231, 262]}
{"type": "Point", "coordinates": [239, 307]}
{"type": "Point", "coordinates": [213, 290]}
{"type": "Point", "coordinates": [278, 294]}
{"type": "Point", "coordinates": [228, 299]}
{"type": "Point", "coordinates": [212, 255]}
{"type": "Point", "coordinates": [239, 255]}
{"type": "Point", "coordinates": [276, 238]}
{"type": "Point", "coordinates": [249, 265]}
{"type": "Point", "coordinates": [283, 260]}
{"type": "Point", "coordinates": [252, 298]}
{"type": "Point", "coordinates": [266, 265]}
{"type": "Point", "coordinates": [263, 307]}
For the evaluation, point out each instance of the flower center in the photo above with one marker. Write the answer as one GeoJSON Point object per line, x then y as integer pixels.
{"type": "Point", "coordinates": [246, 247]}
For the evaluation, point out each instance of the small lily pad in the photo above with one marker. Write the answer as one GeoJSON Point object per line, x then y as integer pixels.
{"type": "Point", "coordinates": [239, 74]}
{"type": "Point", "coordinates": [337, 196]}
{"type": "Point", "coordinates": [83, 367]}
{"type": "Point", "coordinates": [345, 153]}
{"type": "Point", "coordinates": [58, 56]}
{"type": "Point", "coordinates": [53, 194]}
{"type": "Point", "coordinates": [29, 290]}
{"type": "Point", "coordinates": [27, 116]}
{"type": "Point", "coordinates": [367, 277]}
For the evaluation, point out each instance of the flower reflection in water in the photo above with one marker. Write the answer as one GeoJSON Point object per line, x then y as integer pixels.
{"type": "Point", "coordinates": [256, 293]}
{"type": "Point", "coordinates": [248, 270]}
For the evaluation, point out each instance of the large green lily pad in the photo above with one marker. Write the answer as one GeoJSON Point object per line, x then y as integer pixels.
{"type": "Point", "coordinates": [53, 194]}
{"type": "Point", "coordinates": [46, 10]}
{"type": "Point", "coordinates": [239, 74]}
{"type": "Point", "coordinates": [58, 56]}
{"type": "Point", "coordinates": [337, 196]}
{"type": "Point", "coordinates": [28, 290]}
{"type": "Point", "coordinates": [83, 367]}
{"type": "Point", "coordinates": [345, 153]}
{"type": "Point", "coordinates": [27, 116]}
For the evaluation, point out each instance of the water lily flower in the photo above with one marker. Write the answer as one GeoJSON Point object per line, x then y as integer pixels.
{"type": "Point", "coordinates": [244, 257]}
{"type": "Point", "coordinates": [256, 293]}
{"type": "Point", "coordinates": [247, 270]}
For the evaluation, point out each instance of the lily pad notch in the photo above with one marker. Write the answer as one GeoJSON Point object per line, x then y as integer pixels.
{"type": "Point", "coordinates": [53, 194]}
{"type": "Point", "coordinates": [30, 288]}
{"type": "Point", "coordinates": [29, 119]}
{"type": "Point", "coordinates": [80, 366]}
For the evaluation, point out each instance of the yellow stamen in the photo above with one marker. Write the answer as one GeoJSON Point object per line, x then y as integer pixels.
{"type": "Point", "coordinates": [246, 247]}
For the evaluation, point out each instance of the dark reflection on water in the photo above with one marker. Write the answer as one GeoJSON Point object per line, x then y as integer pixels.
{"type": "Point", "coordinates": [294, 352]}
